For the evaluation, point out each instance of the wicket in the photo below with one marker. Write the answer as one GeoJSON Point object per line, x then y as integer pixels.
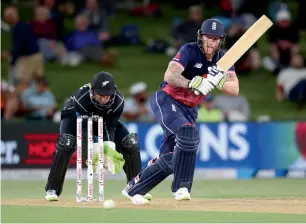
{"type": "Point", "coordinates": [90, 152]}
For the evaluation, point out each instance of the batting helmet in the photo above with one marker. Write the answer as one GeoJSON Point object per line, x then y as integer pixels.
{"type": "Point", "coordinates": [211, 27]}
{"type": "Point", "coordinates": [103, 84]}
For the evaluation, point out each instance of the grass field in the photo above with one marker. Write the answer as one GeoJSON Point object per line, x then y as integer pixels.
{"type": "Point", "coordinates": [278, 200]}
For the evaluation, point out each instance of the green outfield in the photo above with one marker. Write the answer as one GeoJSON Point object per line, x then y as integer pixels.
{"type": "Point", "coordinates": [278, 200]}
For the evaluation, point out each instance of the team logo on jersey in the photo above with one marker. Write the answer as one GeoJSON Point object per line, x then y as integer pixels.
{"type": "Point", "coordinates": [198, 65]}
{"type": "Point", "coordinates": [177, 56]}
{"type": "Point", "coordinates": [105, 83]}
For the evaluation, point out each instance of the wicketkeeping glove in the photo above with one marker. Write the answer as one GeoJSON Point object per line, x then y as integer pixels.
{"type": "Point", "coordinates": [200, 85]}
{"type": "Point", "coordinates": [113, 160]}
{"type": "Point", "coordinates": [216, 77]}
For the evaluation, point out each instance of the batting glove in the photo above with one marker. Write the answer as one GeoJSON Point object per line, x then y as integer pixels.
{"type": "Point", "coordinates": [200, 85]}
{"type": "Point", "coordinates": [216, 77]}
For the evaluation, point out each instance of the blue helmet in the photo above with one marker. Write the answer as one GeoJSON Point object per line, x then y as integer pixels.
{"type": "Point", "coordinates": [211, 27]}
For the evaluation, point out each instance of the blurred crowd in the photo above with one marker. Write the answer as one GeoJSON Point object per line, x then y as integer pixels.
{"type": "Point", "coordinates": [44, 39]}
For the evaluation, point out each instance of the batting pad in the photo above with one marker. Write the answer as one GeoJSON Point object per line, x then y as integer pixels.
{"type": "Point", "coordinates": [58, 171]}
{"type": "Point", "coordinates": [184, 157]}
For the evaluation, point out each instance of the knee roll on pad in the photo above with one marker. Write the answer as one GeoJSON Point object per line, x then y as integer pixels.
{"type": "Point", "coordinates": [130, 143]}
{"type": "Point", "coordinates": [152, 175]}
{"type": "Point", "coordinates": [66, 143]}
{"type": "Point", "coordinates": [131, 153]}
{"type": "Point", "coordinates": [183, 161]}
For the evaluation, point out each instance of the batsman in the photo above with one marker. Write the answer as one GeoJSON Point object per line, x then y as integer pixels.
{"type": "Point", "coordinates": [101, 97]}
{"type": "Point", "coordinates": [190, 76]}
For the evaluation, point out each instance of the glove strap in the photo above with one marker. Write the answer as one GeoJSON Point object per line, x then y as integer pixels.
{"type": "Point", "coordinates": [221, 83]}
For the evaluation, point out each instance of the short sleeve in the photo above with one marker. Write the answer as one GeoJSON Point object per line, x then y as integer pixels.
{"type": "Point", "coordinates": [183, 56]}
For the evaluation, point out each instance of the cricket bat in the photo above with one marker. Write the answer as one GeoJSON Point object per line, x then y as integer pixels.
{"type": "Point", "coordinates": [244, 43]}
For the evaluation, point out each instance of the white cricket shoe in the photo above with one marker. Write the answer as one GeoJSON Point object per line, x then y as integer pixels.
{"type": "Point", "coordinates": [136, 199]}
{"type": "Point", "coordinates": [129, 185]}
{"type": "Point", "coordinates": [51, 196]}
{"type": "Point", "coordinates": [182, 194]}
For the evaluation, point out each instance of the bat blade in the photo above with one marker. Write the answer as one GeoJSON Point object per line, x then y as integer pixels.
{"type": "Point", "coordinates": [244, 43]}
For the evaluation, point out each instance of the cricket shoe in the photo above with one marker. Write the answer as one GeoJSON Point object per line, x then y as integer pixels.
{"type": "Point", "coordinates": [51, 196]}
{"type": "Point", "coordinates": [131, 183]}
{"type": "Point", "coordinates": [182, 194]}
{"type": "Point", "coordinates": [136, 199]}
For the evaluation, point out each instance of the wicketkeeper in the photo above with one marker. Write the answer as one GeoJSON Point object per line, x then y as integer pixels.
{"type": "Point", "coordinates": [121, 148]}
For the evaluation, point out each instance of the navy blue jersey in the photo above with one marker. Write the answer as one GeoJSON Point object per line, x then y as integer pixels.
{"type": "Point", "coordinates": [194, 62]}
{"type": "Point", "coordinates": [81, 104]}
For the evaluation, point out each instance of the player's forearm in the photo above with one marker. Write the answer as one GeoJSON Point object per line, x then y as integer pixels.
{"type": "Point", "coordinates": [109, 134]}
{"type": "Point", "coordinates": [174, 76]}
{"type": "Point", "coordinates": [110, 126]}
{"type": "Point", "coordinates": [231, 86]}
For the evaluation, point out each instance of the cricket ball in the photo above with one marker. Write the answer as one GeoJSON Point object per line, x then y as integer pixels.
{"type": "Point", "coordinates": [109, 204]}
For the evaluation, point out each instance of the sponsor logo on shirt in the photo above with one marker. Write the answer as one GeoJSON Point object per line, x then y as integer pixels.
{"type": "Point", "coordinates": [198, 65]}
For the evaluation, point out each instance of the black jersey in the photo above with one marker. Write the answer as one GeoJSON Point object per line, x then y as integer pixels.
{"type": "Point", "coordinates": [81, 104]}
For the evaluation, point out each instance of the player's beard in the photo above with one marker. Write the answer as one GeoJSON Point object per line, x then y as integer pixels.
{"type": "Point", "coordinates": [209, 49]}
